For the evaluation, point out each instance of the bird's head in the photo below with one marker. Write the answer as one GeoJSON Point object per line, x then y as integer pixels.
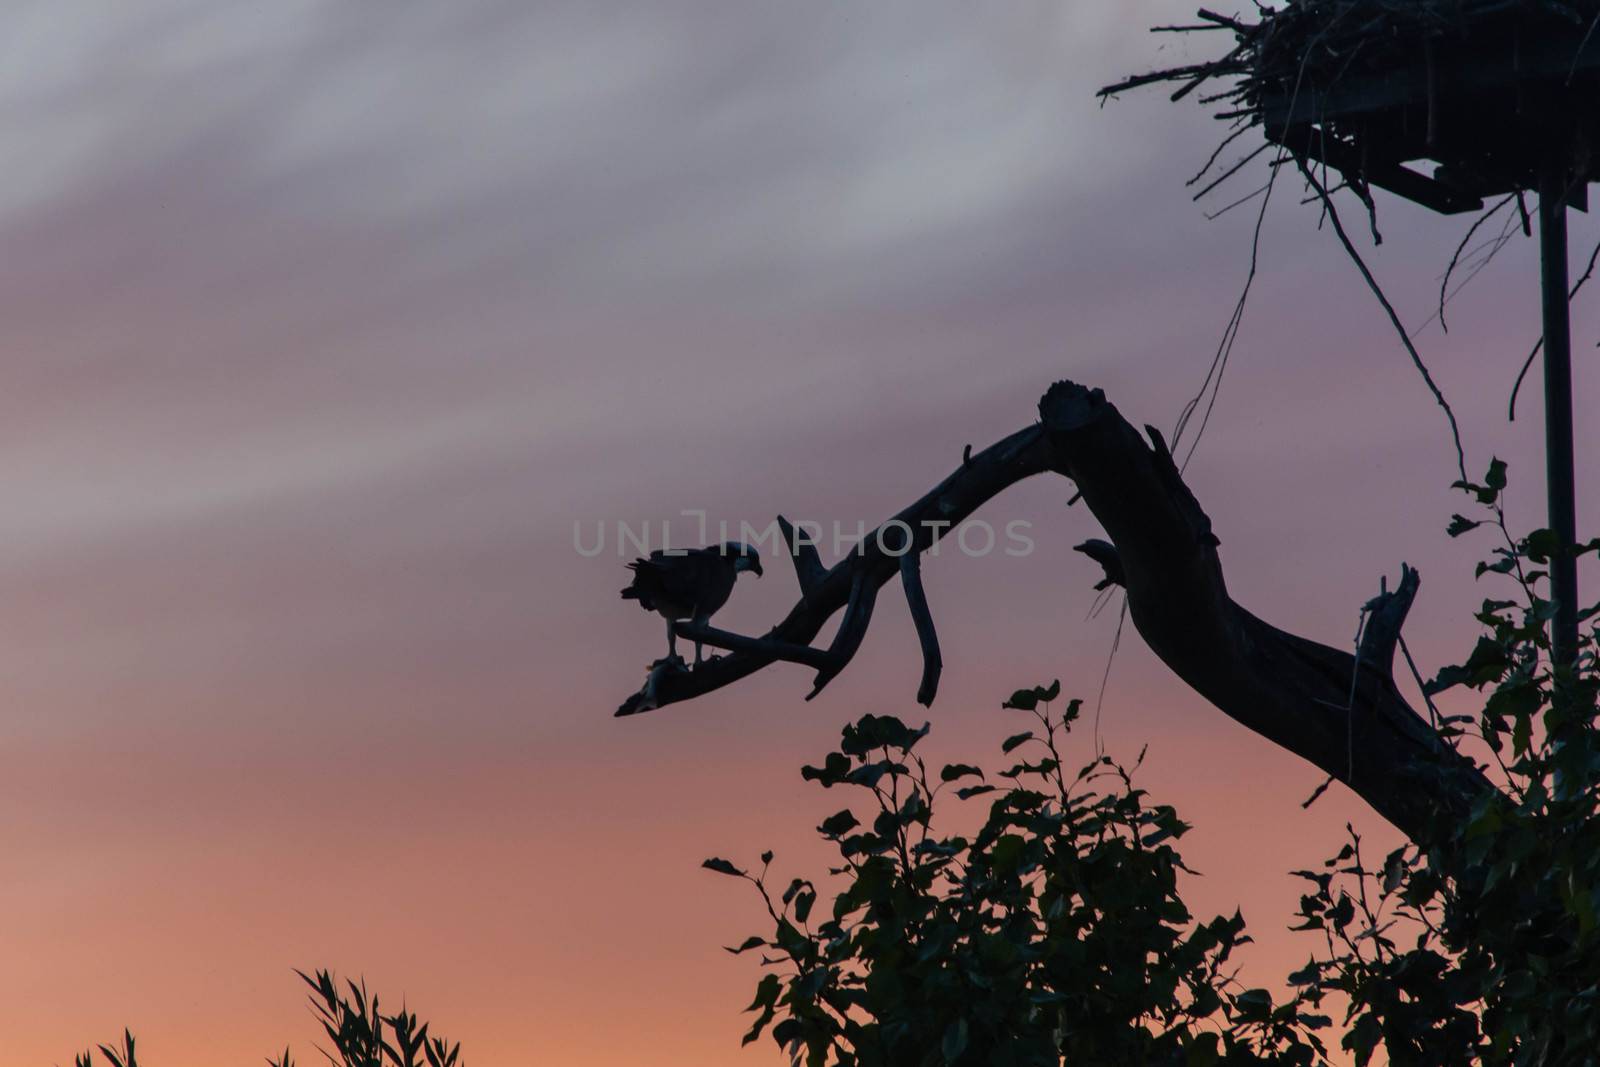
{"type": "Point", "coordinates": [745, 557]}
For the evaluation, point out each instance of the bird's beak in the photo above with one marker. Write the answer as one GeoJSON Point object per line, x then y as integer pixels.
{"type": "Point", "coordinates": [755, 568]}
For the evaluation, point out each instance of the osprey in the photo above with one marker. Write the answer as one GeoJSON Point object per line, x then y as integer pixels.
{"type": "Point", "coordinates": [689, 584]}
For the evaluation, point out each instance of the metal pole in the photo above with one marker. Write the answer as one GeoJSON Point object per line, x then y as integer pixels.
{"type": "Point", "coordinates": [1558, 409]}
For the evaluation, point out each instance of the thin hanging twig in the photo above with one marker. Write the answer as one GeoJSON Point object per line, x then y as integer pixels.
{"type": "Point", "coordinates": [1422, 686]}
{"type": "Point", "coordinates": [1105, 677]}
{"type": "Point", "coordinates": [1479, 263]}
{"type": "Point", "coordinates": [1232, 170]}
{"type": "Point", "coordinates": [1217, 152]}
{"type": "Point", "coordinates": [1394, 317]}
{"type": "Point", "coordinates": [1444, 286]}
{"type": "Point", "coordinates": [1511, 413]}
{"type": "Point", "coordinates": [1230, 334]}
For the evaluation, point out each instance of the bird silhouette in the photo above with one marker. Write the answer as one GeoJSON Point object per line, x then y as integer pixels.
{"type": "Point", "coordinates": [689, 584]}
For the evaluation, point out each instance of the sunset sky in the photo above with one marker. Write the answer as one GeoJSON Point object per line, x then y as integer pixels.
{"type": "Point", "coordinates": [323, 325]}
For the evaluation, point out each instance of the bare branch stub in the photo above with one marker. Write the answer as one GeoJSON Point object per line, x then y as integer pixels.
{"type": "Point", "coordinates": [1105, 554]}
{"type": "Point", "coordinates": [857, 617]}
{"type": "Point", "coordinates": [1388, 613]}
{"type": "Point", "coordinates": [927, 636]}
{"type": "Point", "coordinates": [808, 568]}
{"type": "Point", "coordinates": [1293, 691]}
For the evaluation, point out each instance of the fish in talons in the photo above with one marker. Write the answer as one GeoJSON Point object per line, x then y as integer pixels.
{"type": "Point", "coordinates": [689, 584]}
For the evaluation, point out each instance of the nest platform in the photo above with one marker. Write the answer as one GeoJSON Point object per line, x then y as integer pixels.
{"type": "Point", "coordinates": [1443, 102]}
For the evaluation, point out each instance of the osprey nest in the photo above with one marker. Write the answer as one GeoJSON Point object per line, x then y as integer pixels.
{"type": "Point", "coordinates": [1488, 90]}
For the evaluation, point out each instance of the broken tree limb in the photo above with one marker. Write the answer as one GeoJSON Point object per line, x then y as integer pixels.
{"type": "Point", "coordinates": [808, 568]}
{"type": "Point", "coordinates": [857, 617]}
{"type": "Point", "coordinates": [927, 636]}
{"type": "Point", "coordinates": [1290, 690]}
{"type": "Point", "coordinates": [1388, 611]}
{"type": "Point", "coordinates": [778, 650]}
{"type": "Point", "coordinates": [1105, 554]}
{"type": "Point", "coordinates": [1014, 458]}
{"type": "Point", "coordinates": [1304, 696]}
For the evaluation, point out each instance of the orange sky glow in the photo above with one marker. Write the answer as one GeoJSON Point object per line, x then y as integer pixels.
{"type": "Point", "coordinates": [322, 326]}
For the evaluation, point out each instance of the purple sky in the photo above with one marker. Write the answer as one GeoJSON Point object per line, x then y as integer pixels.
{"type": "Point", "coordinates": [323, 324]}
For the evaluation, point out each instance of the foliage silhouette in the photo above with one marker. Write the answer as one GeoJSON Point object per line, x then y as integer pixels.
{"type": "Point", "coordinates": [1057, 935]}
{"type": "Point", "coordinates": [361, 1035]}
{"type": "Point", "coordinates": [1485, 948]}
{"type": "Point", "coordinates": [116, 1056]}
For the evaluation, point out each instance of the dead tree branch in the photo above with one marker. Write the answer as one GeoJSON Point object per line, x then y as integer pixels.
{"type": "Point", "coordinates": [927, 637]}
{"type": "Point", "coordinates": [1314, 700]}
{"type": "Point", "coordinates": [876, 560]}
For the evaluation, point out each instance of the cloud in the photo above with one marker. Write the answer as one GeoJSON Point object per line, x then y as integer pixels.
{"type": "Point", "coordinates": [261, 247]}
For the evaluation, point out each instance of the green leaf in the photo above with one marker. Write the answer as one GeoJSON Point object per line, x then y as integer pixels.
{"type": "Point", "coordinates": [1447, 678]}
{"type": "Point", "coordinates": [1201, 1051]}
{"type": "Point", "coordinates": [765, 1002]}
{"type": "Point", "coordinates": [872, 732]}
{"type": "Point", "coordinates": [1486, 663]}
{"type": "Point", "coordinates": [1519, 699]}
{"type": "Point", "coordinates": [1016, 739]}
{"type": "Point", "coordinates": [839, 824]}
{"type": "Point", "coordinates": [832, 771]}
{"type": "Point", "coordinates": [1522, 735]}
{"type": "Point", "coordinates": [1022, 700]}
{"type": "Point", "coordinates": [1254, 1003]}
{"type": "Point", "coordinates": [869, 774]}
{"type": "Point", "coordinates": [1007, 852]}
{"type": "Point", "coordinates": [1394, 871]}
{"type": "Point", "coordinates": [1496, 477]}
{"type": "Point", "coordinates": [955, 1041]}
{"type": "Point", "coordinates": [1541, 545]}
{"type": "Point", "coordinates": [1504, 565]}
